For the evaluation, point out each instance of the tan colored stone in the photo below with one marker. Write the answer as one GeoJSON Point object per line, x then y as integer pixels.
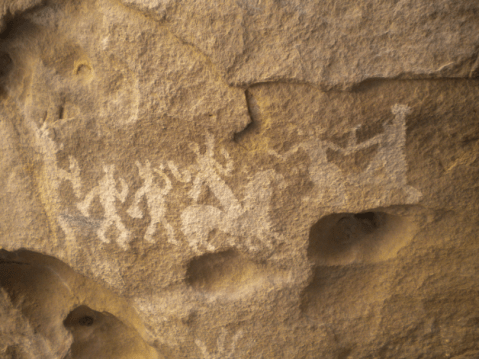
{"type": "Point", "coordinates": [269, 179]}
{"type": "Point", "coordinates": [329, 43]}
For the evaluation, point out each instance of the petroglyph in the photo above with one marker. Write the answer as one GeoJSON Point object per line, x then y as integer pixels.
{"type": "Point", "coordinates": [181, 176]}
{"type": "Point", "coordinates": [108, 194]}
{"type": "Point", "coordinates": [208, 171]}
{"type": "Point", "coordinates": [71, 223]}
{"type": "Point", "coordinates": [386, 170]}
{"type": "Point", "coordinates": [44, 144]}
{"type": "Point", "coordinates": [155, 196]}
{"type": "Point", "coordinates": [149, 123]}
{"type": "Point", "coordinates": [389, 158]}
{"type": "Point", "coordinates": [321, 171]}
{"type": "Point", "coordinates": [221, 351]}
{"type": "Point", "coordinates": [249, 219]}
{"type": "Point", "coordinates": [53, 176]}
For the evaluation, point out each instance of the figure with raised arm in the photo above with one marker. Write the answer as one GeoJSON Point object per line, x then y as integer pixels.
{"type": "Point", "coordinates": [155, 197]}
{"type": "Point", "coordinates": [108, 194]}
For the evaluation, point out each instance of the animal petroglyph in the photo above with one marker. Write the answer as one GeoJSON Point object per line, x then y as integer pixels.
{"type": "Point", "coordinates": [391, 154]}
{"type": "Point", "coordinates": [386, 170]}
{"type": "Point", "coordinates": [108, 194]}
{"type": "Point", "coordinates": [249, 219]}
{"type": "Point", "coordinates": [220, 352]}
{"type": "Point", "coordinates": [155, 196]}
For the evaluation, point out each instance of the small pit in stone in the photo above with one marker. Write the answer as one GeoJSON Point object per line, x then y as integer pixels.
{"type": "Point", "coordinates": [227, 270]}
{"type": "Point", "coordinates": [367, 216]}
{"type": "Point", "coordinates": [365, 237]}
{"type": "Point", "coordinates": [81, 316]}
{"type": "Point", "coordinates": [102, 335]}
{"type": "Point", "coordinates": [82, 70]}
{"type": "Point", "coordinates": [86, 321]}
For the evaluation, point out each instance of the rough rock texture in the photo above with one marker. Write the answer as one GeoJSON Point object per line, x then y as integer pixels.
{"type": "Point", "coordinates": [327, 43]}
{"type": "Point", "coordinates": [239, 179]}
{"type": "Point", "coordinates": [9, 9]}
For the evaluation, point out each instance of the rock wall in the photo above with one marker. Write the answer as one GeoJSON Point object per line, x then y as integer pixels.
{"type": "Point", "coordinates": [239, 179]}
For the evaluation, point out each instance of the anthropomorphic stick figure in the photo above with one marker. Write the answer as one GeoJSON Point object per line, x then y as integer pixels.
{"type": "Point", "coordinates": [253, 222]}
{"type": "Point", "coordinates": [208, 171]}
{"type": "Point", "coordinates": [199, 220]}
{"type": "Point", "coordinates": [248, 220]}
{"type": "Point", "coordinates": [108, 194]}
{"type": "Point", "coordinates": [389, 159]}
{"type": "Point", "coordinates": [155, 196]}
{"type": "Point", "coordinates": [326, 175]}
{"type": "Point", "coordinates": [387, 170]}
{"type": "Point", "coordinates": [52, 176]}
{"type": "Point", "coordinates": [44, 144]}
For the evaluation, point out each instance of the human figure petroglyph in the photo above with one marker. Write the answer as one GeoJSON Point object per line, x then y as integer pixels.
{"type": "Point", "coordinates": [44, 145]}
{"type": "Point", "coordinates": [390, 157]}
{"type": "Point", "coordinates": [48, 148]}
{"type": "Point", "coordinates": [220, 352]}
{"type": "Point", "coordinates": [322, 172]}
{"type": "Point", "coordinates": [249, 219]}
{"type": "Point", "coordinates": [108, 194]}
{"type": "Point", "coordinates": [181, 176]}
{"type": "Point", "coordinates": [250, 222]}
{"type": "Point", "coordinates": [155, 197]}
{"type": "Point", "coordinates": [208, 171]}
{"type": "Point", "coordinates": [199, 220]}
{"type": "Point", "coordinates": [387, 170]}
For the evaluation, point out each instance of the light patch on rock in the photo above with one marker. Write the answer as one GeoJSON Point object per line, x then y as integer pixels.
{"type": "Point", "coordinates": [222, 350]}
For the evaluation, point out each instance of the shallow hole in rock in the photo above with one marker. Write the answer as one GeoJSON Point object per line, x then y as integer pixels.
{"type": "Point", "coordinates": [81, 316]}
{"type": "Point", "coordinates": [365, 237]}
{"type": "Point", "coordinates": [86, 321]}
{"type": "Point", "coordinates": [227, 270]}
{"type": "Point", "coordinates": [82, 70]}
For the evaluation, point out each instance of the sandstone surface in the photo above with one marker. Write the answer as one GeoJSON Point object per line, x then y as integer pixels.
{"type": "Point", "coordinates": [239, 179]}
